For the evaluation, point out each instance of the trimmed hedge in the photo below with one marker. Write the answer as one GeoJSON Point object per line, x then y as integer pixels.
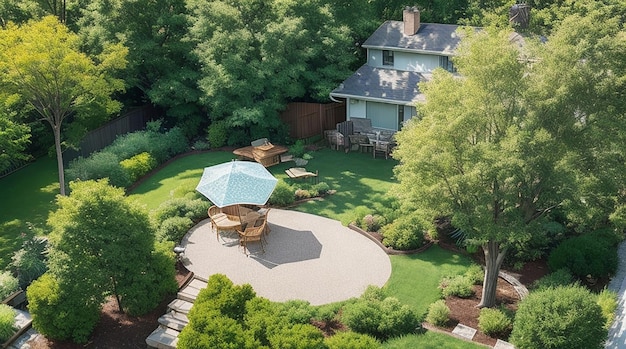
{"type": "Point", "coordinates": [585, 255]}
{"type": "Point", "coordinates": [438, 313]}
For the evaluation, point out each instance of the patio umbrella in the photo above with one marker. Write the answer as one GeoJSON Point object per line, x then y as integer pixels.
{"type": "Point", "coordinates": [237, 182]}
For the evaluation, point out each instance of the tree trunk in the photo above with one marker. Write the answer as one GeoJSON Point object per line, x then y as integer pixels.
{"type": "Point", "coordinates": [494, 256]}
{"type": "Point", "coordinates": [57, 146]}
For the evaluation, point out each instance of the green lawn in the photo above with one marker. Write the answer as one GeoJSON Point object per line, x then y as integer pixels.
{"type": "Point", "coordinates": [28, 196]}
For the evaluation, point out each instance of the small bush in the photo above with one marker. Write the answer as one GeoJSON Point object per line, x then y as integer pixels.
{"type": "Point", "coordinates": [302, 194]}
{"type": "Point", "coordinates": [562, 317]}
{"type": "Point", "coordinates": [327, 313]}
{"type": "Point", "coordinates": [174, 229]}
{"type": "Point", "coordinates": [217, 134]}
{"type": "Point", "coordinates": [405, 233]}
{"type": "Point", "coordinates": [297, 336]}
{"type": "Point", "coordinates": [7, 321]}
{"type": "Point", "coordinates": [561, 277]}
{"type": "Point", "coordinates": [381, 319]}
{"type": "Point", "coordinates": [297, 311]}
{"type": "Point", "coordinates": [372, 222]}
{"type": "Point", "coordinates": [607, 300]}
{"type": "Point", "coordinates": [222, 295]}
{"type": "Point", "coordinates": [138, 165]}
{"type": "Point", "coordinates": [283, 195]}
{"type": "Point", "coordinates": [131, 144]}
{"type": "Point", "coordinates": [322, 188]}
{"type": "Point", "coordinates": [297, 149]}
{"type": "Point", "coordinates": [201, 145]}
{"type": "Point", "coordinates": [494, 322]}
{"type": "Point", "coordinates": [351, 340]}
{"type": "Point", "coordinates": [8, 284]}
{"type": "Point", "coordinates": [438, 313]}
{"type": "Point", "coordinates": [102, 164]}
{"type": "Point", "coordinates": [584, 255]}
{"type": "Point", "coordinates": [475, 274]}
{"type": "Point", "coordinates": [458, 286]}
{"type": "Point", "coordinates": [168, 144]}
{"type": "Point", "coordinates": [194, 209]}
{"type": "Point", "coordinates": [29, 262]}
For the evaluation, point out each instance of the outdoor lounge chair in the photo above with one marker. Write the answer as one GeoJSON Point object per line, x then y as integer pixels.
{"type": "Point", "coordinates": [300, 172]}
{"type": "Point", "coordinates": [222, 221]}
{"type": "Point", "coordinates": [253, 234]}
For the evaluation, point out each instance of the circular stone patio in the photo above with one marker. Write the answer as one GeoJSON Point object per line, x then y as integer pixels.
{"type": "Point", "coordinates": [306, 257]}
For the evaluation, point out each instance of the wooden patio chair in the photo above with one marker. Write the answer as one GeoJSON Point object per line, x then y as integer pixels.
{"type": "Point", "coordinates": [222, 221]}
{"type": "Point", "coordinates": [253, 234]}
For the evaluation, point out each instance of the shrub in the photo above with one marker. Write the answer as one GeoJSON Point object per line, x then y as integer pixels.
{"type": "Point", "coordinates": [150, 287]}
{"type": "Point", "coordinates": [380, 319]}
{"type": "Point", "coordinates": [131, 144]}
{"type": "Point", "coordinates": [297, 311]}
{"type": "Point", "coordinates": [475, 274]}
{"type": "Point", "coordinates": [562, 317]}
{"type": "Point", "coordinates": [322, 188]}
{"type": "Point", "coordinates": [102, 164]}
{"type": "Point", "coordinates": [165, 145]}
{"type": "Point", "coordinates": [327, 313]}
{"type": "Point", "coordinates": [438, 313]}
{"type": "Point", "coordinates": [561, 277]}
{"type": "Point", "coordinates": [7, 320]}
{"type": "Point", "coordinates": [29, 262]}
{"type": "Point", "coordinates": [297, 149]}
{"type": "Point", "coordinates": [607, 300]}
{"type": "Point", "coordinates": [494, 322]}
{"type": "Point", "coordinates": [222, 295]}
{"type": "Point", "coordinates": [194, 209]}
{"type": "Point", "coordinates": [302, 194]}
{"type": "Point", "coordinates": [217, 134]}
{"type": "Point", "coordinates": [351, 340]}
{"type": "Point", "coordinates": [63, 312]}
{"type": "Point", "coordinates": [8, 284]}
{"type": "Point", "coordinates": [459, 286]}
{"type": "Point", "coordinates": [210, 329]}
{"type": "Point", "coordinates": [372, 222]}
{"type": "Point", "coordinates": [138, 165]}
{"type": "Point", "coordinates": [405, 233]}
{"type": "Point", "coordinates": [201, 145]}
{"type": "Point", "coordinates": [298, 336]}
{"type": "Point", "coordinates": [174, 229]}
{"type": "Point", "coordinates": [283, 195]}
{"type": "Point", "coordinates": [584, 255]}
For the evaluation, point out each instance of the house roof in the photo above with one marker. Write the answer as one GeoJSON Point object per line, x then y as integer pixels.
{"type": "Point", "coordinates": [383, 85]}
{"type": "Point", "coordinates": [435, 38]}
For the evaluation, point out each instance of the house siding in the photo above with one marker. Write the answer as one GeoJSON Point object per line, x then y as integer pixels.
{"type": "Point", "coordinates": [406, 61]}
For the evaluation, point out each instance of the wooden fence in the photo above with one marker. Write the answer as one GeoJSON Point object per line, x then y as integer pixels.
{"type": "Point", "coordinates": [311, 119]}
{"type": "Point", "coordinates": [99, 138]}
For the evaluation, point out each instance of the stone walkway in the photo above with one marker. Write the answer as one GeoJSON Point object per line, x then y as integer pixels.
{"type": "Point", "coordinates": [617, 332]}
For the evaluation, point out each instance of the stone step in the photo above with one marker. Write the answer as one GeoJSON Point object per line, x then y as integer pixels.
{"type": "Point", "coordinates": [163, 338]}
{"type": "Point", "coordinates": [175, 321]}
{"type": "Point", "coordinates": [180, 306]}
{"type": "Point", "coordinates": [500, 344]}
{"type": "Point", "coordinates": [190, 292]}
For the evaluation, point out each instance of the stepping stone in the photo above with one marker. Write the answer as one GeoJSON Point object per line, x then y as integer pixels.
{"type": "Point", "coordinates": [464, 331]}
{"type": "Point", "coordinates": [500, 344]}
{"type": "Point", "coordinates": [180, 306]}
{"type": "Point", "coordinates": [163, 338]}
{"type": "Point", "coordinates": [190, 292]}
{"type": "Point", "coordinates": [175, 321]}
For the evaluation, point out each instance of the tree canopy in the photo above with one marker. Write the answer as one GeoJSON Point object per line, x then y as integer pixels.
{"type": "Point", "coordinates": [41, 64]}
{"type": "Point", "coordinates": [513, 139]}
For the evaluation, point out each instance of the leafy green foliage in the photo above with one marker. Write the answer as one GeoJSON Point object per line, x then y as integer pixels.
{"type": "Point", "coordinates": [560, 277]}
{"type": "Point", "coordinates": [41, 62]}
{"type": "Point", "coordinates": [562, 317]}
{"type": "Point", "coordinates": [494, 322]}
{"type": "Point", "coordinates": [62, 311]}
{"type": "Point", "coordinates": [174, 229]}
{"type": "Point", "coordinates": [475, 274]}
{"type": "Point", "coordinates": [351, 340]}
{"type": "Point", "coordinates": [14, 137]}
{"type": "Point", "coordinates": [217, 134]}
{"type": "Point", "coordinates": [283, 194]}
{"type": "Point", "coordinates": [138, 165]}
{"type": "Point", "coordinates": [458, 286]}
{"type": "Point", "coordinates": [607, 300]}
{"type": "Point", "coordinates": [380, 318]}
{"type": "Point", "coordinates": [7, 320]}
{"type": "Point", "coordinates": [193, 208]}
{"type": "Point", "coordinates": [29, 262]}
{"type": "Point", "coordinates": [405, 233]}
{"type": "Point", "coordinates": [298, 336]}
{"type": "Point", "coordinates": [8, 284]}
{"type": "Point", "coordinates": [438, 313]}
{"type": "Point", "coordinates": [584, 255]}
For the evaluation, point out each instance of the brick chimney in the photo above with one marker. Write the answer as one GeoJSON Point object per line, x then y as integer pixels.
{"type": "Point", "coordinates": [411, 19]}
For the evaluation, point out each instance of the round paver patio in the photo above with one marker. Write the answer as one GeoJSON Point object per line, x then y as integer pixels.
{"type": "Point", "coordinates": [306, 257]}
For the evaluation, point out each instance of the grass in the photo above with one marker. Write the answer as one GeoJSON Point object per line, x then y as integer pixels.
{"type": "Point", "coordinates": [429, 340]}
{"type": "Point", "coordinates": [359, 180]}
{"type": "Point", "coordinates": [27, 198]}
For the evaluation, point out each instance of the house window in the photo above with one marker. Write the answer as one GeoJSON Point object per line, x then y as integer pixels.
{"type": "Point", "coordinates": [400, 116]}
{"type": "Point", "coordinates": [446, 63]}
{"type": "Point", "coordinates": [387, 57]}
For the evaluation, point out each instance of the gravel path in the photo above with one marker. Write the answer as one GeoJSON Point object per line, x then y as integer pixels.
{"type": "Point", "coordinates": [617, 332]}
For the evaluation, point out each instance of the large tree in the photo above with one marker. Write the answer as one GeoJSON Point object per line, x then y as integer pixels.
{"type": "Point", "coordinates": [512, 139]}
{"type": "Point", "coordinates": [101, 244]}
{"type": "Point", "coordinates": [41, 63]}
{"type": "Point", "coordinates": [257, 55]}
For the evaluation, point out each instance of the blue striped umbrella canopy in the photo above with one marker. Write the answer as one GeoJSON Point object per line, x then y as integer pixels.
{"type": "Point", "coordinates": [237, 182]}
